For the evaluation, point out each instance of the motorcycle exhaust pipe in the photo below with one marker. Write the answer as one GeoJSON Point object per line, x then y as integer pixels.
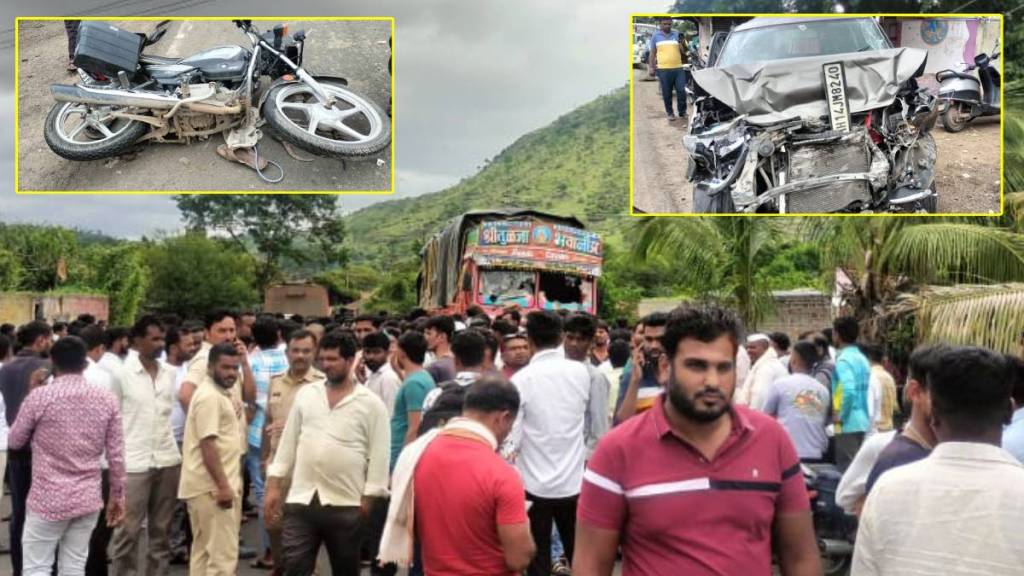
{"type": "Point", "coordinates": [84, 95]}
{"type": "Point", "coordinates": [830, 547]}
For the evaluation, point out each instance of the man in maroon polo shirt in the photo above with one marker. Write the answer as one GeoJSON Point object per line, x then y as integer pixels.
{"type": "Point", "coordinates": [696, 485]}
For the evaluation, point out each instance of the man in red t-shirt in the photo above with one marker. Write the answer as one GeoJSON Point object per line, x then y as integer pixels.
{"type": "Point", "coordinates": [470, 505]}
{"type": "Point", "coordinates": [696, 485]}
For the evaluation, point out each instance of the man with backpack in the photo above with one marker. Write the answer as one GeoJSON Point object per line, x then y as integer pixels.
{"type": "Point", "coordinates": [445, 402]}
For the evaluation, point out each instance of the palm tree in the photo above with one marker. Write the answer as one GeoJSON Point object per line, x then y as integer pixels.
{"type": "Point", "coordinates": [886, 256]}
{"type": "Point", "coordinates": [985, 315]}
{"type": "Point", "coordinates": [721, 251]}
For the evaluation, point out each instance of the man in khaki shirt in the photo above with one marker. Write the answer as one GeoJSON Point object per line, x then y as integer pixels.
{"type": "Point", "coordinates": [335, 447]}
{"type": "Point", "coordinates": [145, 389]}
{"type": "Point", "coordinates": [220, 328]}
{"type": "Point", "coordinates": [280, 397]}
{"type": "Point", "coordinates": [211, 475]}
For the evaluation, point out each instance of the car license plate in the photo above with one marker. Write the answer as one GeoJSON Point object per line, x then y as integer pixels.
{"type": "Point", "coordinates": [835, 93]}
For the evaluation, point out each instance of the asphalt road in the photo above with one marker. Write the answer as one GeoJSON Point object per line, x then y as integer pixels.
{"type": "Point", "coordinates": [355, 50]}
{"type": "Point", "coordinates": [967, 177]}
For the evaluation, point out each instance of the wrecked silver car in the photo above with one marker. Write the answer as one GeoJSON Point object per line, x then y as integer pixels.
{"type": "Point", "coordinates": [811, 115]}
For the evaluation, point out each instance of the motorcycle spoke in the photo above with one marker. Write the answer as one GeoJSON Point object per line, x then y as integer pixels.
{"type": "Point", "coordinates": [342, 114]}
{"type": "Point", "coordinates": [347, 130]}
{"type": "Point", "coordinates": [102, 128]}
{"type": "Point", "coordinates": [313, 123]}
{"type": "Point", "coordinates": [78, 129]}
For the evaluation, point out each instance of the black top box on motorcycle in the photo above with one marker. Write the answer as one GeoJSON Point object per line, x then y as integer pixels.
{"type": "Point", "coordinates": [106, 49]}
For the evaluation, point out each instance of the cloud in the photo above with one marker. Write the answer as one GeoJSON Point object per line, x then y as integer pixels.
{"type": "Point", "coordinates": [470, 78]}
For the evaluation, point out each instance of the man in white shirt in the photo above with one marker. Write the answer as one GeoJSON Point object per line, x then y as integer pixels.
{"type": "Point", "coordinates": [382, 379]}
{"type": "Point", "coordinates": [957, 512]}
{"type": "Point", "coordinates": [145, 389]}
{"type": "Point", "coordinates": [547, 440]}
{"type": "Point", "coordinates": [117, 346]}
{"type": "Point", "coordinates": [765, 370]}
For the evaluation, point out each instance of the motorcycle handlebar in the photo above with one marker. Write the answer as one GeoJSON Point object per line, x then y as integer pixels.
{"type": "Point", "coordinates": [243, 24]}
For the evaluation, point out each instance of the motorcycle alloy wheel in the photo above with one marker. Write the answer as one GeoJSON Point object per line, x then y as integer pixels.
{"type": "Point", "coordinates": [353, 126]}
{"type": "Point", "coordinates": [81, 132]}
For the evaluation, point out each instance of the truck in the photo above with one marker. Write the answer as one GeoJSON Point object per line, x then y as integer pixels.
{"type": "Point", "coordinates": [495, 259]}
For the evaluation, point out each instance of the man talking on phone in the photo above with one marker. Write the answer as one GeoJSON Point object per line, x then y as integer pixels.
{"type": "Point", "coordinates": [642, 381]}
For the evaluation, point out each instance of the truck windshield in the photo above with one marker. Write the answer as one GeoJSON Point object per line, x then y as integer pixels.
{"type": "Point", "coordinates": [799, 39]}
{"type": "Point", "coordinates": [562, 292]}
{"type": "Point", "coordinates": [500, 287]}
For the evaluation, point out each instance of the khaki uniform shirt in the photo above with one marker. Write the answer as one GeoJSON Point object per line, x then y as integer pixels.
{"type": "Point", "coordinates": [211, 413]}
{"type": "Point", "coordinates": [340, 454]}
{"type": "Point", "coordinates": [197, 371]}
{"type": "Point", "coordinates": [280, 397]}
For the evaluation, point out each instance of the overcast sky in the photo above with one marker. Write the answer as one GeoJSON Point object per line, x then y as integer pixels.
{"type": "Point", "coordinates": [471, 76]}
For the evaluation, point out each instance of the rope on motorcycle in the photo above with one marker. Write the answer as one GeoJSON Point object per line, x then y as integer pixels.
{"type": "Point", "coordinates": [256, 152]}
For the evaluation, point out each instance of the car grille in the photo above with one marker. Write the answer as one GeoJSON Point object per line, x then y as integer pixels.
{"type": "Point", "coordinates": [814, 160]}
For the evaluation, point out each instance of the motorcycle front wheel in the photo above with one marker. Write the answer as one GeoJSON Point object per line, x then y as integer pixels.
{"type": "Point", "coordinates": [954, 119]}
{"type": "Point", "coordinates": [82, 132]}
{"type": "Point", "coordinates": [352, 127]}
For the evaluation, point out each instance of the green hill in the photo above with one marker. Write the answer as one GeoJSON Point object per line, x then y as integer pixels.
{"type": "Point", "coordinates": [578, 165]}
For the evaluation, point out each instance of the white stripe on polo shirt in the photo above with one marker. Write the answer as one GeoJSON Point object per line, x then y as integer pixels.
{"type": "Point", "coordinates": [693, 485]}
{"type": "Point", "coordinates": [601, 482]}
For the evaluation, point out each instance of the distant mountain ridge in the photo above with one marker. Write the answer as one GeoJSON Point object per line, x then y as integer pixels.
{"type": "Point", "coordinates": [577, 165]}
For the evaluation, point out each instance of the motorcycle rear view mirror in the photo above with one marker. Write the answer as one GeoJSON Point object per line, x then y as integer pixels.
{"type": "Point", "coordinates": [158, 32]}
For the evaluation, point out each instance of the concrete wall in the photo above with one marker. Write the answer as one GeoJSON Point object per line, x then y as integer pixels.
{"type": "Point", "coordinates": [21, 307]}
{"type": "Point", "coordinates": [962, 39]}
{"type": "Point", "coordinates": [796, 311]}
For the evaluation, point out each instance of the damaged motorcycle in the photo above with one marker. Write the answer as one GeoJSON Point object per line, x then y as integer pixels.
{"type": "Point", "coordinates": [125, 96]}
{"type": "Point", "coordinates": [812, 115]}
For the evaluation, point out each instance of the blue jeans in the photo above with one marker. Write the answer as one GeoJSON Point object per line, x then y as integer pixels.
{"type": "Point", "coordinates": [669, 79]}
{"type": "Point", "coordinates": [556, 545]}
{"type": "Point", "coordinates": [252, 464]}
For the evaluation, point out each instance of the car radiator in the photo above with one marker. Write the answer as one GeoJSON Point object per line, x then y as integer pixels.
{"type": "Point", "coordinates": [816, 158]}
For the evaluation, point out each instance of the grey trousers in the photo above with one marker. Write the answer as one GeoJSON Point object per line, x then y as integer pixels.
{"type": "Point", "coordinates": [340, 529]}
{"type": "Point", "coordinates": [150, 495]}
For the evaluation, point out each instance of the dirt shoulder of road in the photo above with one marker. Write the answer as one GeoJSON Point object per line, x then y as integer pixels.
{"type": "Point", "coordinates": [355, 50]}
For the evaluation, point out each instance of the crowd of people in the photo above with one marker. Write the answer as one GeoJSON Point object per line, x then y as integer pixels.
{"type": "Point", "coordinates": [539, 443]}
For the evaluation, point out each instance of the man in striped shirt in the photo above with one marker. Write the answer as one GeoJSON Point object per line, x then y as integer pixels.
{"type": "Point", "coordinates": [696, 485]}
{"type": "Point", "coordinates": [667, 59]}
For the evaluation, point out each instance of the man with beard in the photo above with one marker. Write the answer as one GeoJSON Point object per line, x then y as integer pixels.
{"type": "Point", "coordinates": [642, 381]}
{"type": "Point", "coordinates": [599, 351]}
{"type": "Point", "coordinates": [580, 331]}
{"type": "Point", "coordinates": [764, 372]}
{"type": "Point", "coordinates": [382, 379]}
{"type": "Point", "coordinates": [211, 472]}
{"type": "Point", "coordinates": [696, 485]}
{"type": "Point", "coordinates": [283, 388]}
{"type": "Point", "coordinates": [338, 468]}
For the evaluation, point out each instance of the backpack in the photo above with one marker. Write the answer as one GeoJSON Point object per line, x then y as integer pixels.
{"type": "Point", "coordinates": [447, 406]}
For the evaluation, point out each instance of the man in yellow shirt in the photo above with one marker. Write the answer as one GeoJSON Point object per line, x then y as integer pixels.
{"type": "Point", "coordinates": [667, 59]}
{"type": "Point", "coordinates": [211, 472]}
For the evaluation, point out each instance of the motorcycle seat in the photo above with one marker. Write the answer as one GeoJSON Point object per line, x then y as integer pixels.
{"type": "Point", "coordinates": [160, 60]}
{"type": "Point", "coordinates": [943, 74]}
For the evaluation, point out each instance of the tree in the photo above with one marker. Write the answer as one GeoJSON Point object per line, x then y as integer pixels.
{"type": "Point", "coordinates": [721, 252]}
{"type": "Point", "coordinates": [10, 270]}
{"type": "Point", "coordinates": [119, 271]}
{"type": "Point", "coordinates": [191, 274]}
{"type": "Point", "coordinates": [273, 229]}
{"type": "Point", "coordinates": [986, 315]}
{"type": "Point", "coordinates": [886, 256]}
{"type": "Point", "coordinates": [43, 253]}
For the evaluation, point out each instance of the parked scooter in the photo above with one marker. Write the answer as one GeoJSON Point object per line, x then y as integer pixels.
{"type": "Point", "coordinates": [966, 97]}
{"type": "Point", "coordinates": [834, 529]}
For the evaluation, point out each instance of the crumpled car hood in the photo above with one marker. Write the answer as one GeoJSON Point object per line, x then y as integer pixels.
{"type": "Point", "coordinates": [777, 90]}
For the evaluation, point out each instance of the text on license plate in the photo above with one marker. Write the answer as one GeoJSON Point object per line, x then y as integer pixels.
{"type": "Point", "coordinates": [835, 92]}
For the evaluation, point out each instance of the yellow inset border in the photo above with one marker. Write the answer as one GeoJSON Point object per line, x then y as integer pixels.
{"type": "Point", "coordinates": [17, 156]}
{"type": "Point", "coordinates": [916, 16]}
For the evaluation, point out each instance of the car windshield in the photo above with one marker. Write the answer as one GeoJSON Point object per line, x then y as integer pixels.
{"type": "Point", "coordinates": [800, 39]}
